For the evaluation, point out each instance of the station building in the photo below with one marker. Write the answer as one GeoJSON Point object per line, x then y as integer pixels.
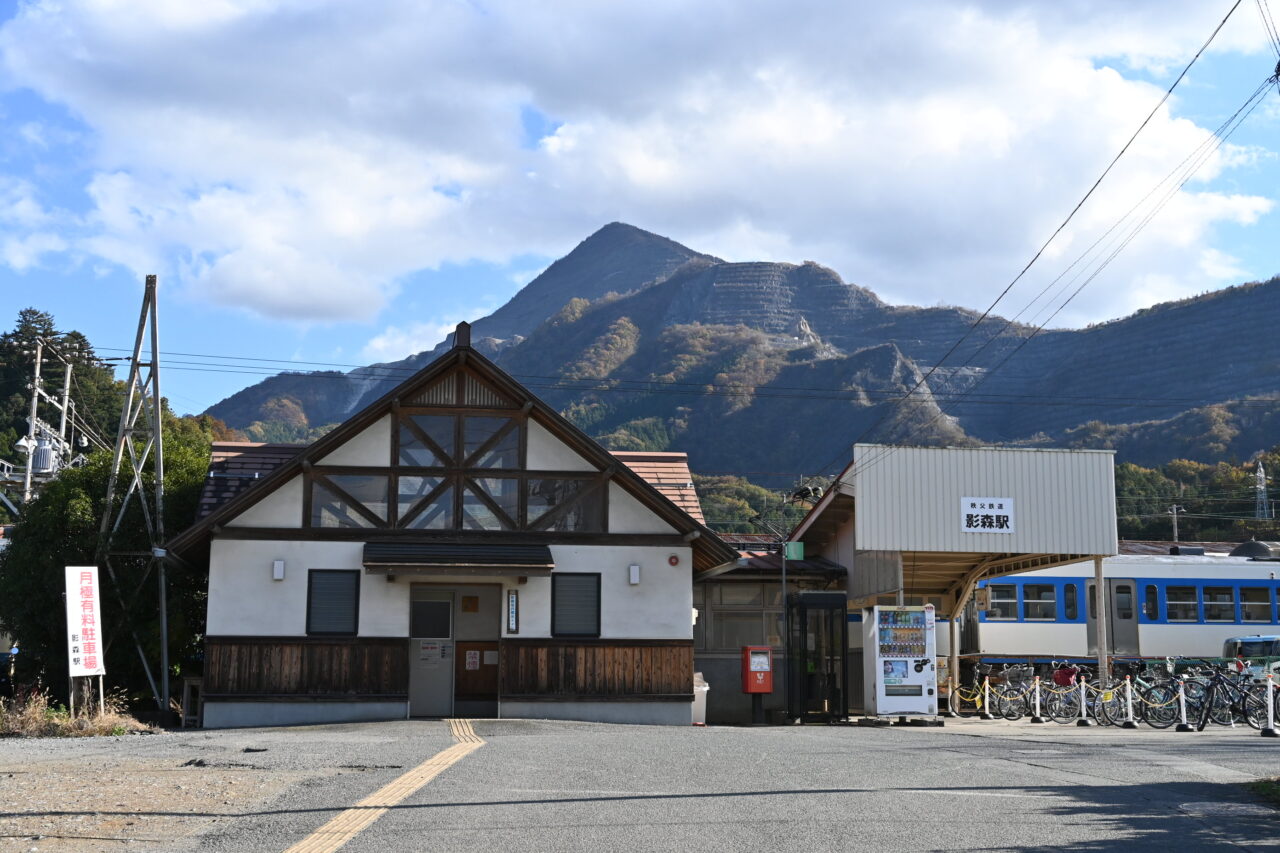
{"type": "Point", "coordinates": [915, 526]}
{"type": "Point", "coordinates": [457, 548]}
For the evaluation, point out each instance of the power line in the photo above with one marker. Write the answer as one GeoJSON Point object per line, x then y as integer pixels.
{"type": "Point", "coordinates": [925, 378]}
{"type": "Point", "coordinates": [638, 386]}
{"type": "Point", "coordinates": [1221, 136]}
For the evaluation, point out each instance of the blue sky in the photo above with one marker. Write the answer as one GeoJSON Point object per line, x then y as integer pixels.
{"type": "Point", "coordinates": [320, 185]}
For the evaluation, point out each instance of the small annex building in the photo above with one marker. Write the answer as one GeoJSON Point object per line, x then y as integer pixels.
{"type": "Point", "coordinates": [458, 547]}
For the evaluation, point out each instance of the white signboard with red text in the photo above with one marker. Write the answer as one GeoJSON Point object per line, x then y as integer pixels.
{"type": "Point", "coordinates": [84, 622]}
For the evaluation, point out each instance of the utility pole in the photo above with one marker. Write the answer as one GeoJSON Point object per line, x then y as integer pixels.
{"type": "Point", "coordinates": [1173, 511]}
{"type": "Point", "coordinates": [141, 436]}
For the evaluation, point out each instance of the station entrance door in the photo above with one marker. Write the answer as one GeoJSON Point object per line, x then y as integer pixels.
{"type": "Point", "coordinates": [817, 647]}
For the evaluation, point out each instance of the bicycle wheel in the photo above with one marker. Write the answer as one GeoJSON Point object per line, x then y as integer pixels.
{"type": "Point", "coordinates": [1195, 692]}
{"type": "Point", "coordinates": [1013, 703]}
{"type": "Point", "coordinates": [1255, 705]}
{"type": "Point", "coordinates": [1159, 705]}
{"type": "Point", "coordinates": [1223, 709]}
{"type": "Point", "coordinates": [963, 705]}
{"type": "Point", "coordinates": [1063, 708]}
{"type": "Point", "coordinates": [1109, 705]}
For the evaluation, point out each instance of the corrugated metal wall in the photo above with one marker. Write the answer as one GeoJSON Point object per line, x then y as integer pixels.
{"type": "Point", "coordinates": [909, 499]}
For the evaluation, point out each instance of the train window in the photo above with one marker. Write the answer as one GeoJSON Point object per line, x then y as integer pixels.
{"type": "Point", "coordinates": [1180, 602]}
{"type": "Point", "coordinates": [1219, 604]}
{"type": "Point", "coordinates": [1124, 601]}
{"type": "Point", "coordinates": [1255, 603]}
{"type": "Point", "coordinates": [1069, 603]}
{"type": "Point", "coordinates": [1093, 603]}
{"type": "Point", "coordinates": [1150, 603]}
{"type": "Point", "coordinates": [1038, 601]}
{"type": "Point", "coordinates": [1004, 601]}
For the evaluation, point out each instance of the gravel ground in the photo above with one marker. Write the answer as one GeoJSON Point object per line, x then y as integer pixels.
{"type": "Point", "coordinates": [539, 785]}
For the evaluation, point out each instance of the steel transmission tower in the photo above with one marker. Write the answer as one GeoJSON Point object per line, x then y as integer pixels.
{"type": "Point", "coordinates": [140, 439]}
{"type": "Point", "coordinates": [1262, 507]}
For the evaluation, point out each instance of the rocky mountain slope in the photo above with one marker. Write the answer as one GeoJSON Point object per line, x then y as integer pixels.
{"type": "Point", "coordinates": [776, 368]}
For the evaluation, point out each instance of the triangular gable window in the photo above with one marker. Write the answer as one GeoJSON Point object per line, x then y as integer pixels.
{"type": "Point", "coordinates": [457, 462]}
{"type": "Point", "coordinates": [427, 441]}
{"type": "Point", "coordinates": [349, 500]}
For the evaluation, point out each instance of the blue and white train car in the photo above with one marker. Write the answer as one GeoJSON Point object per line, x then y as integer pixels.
{"type": "Point", "coordinates": [1156, 606]}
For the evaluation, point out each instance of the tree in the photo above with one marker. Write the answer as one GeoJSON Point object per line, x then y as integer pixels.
{"type": "Point", "coordinates": [60, 528]}
{"type": "Point", "coordinates": [98, 396]}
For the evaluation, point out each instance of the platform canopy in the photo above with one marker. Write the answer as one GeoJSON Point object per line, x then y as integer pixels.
{"type": "Point", "coordinates": [931, 522]}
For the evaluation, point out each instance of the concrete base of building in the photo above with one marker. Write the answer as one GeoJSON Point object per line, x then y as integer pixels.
{"type": "Point", "coordinates": [642, 713]}
{"type": "Point", "coordinates": [232, 715]}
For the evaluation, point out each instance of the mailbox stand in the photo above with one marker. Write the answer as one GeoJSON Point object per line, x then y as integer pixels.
{"type": "Point", "coordinates": [757, 678]}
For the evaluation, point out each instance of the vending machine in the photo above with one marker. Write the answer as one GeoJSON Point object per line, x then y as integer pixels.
{"type": "Point", "coordinates": [899, 666]}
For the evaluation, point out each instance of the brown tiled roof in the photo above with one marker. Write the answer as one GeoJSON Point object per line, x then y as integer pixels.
{"type": "Point", "coordinates": [234, 466]}
{"type": "Point", "coordinates": [669, 474]}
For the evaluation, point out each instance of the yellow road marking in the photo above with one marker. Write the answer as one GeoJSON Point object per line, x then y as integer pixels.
{"type": "Point", "coordinates": [345, 826]}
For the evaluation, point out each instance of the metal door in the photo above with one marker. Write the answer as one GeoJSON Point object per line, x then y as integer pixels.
{"type": "Point", "coordinates": [1122, 617]}
{"type": "Point", "coordinates": [431, 652]}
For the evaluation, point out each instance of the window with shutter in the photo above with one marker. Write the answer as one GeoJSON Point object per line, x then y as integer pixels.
{"type": "Point", "coordinates": [333, 601]}
{"type": "Point", "coordinates": [575, 605]}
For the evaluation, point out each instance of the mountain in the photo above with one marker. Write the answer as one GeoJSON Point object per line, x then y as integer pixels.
{"type": "Point", "coordinates": [777, 368]}
{"type": "Point", "coordinates": [616, 259]}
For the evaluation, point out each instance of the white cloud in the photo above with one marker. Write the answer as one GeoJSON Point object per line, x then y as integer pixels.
{"type": "Point", "coordinates": [301, 159]}
{"type": "Point", "coordinates": [395, 343]}
{"type": "Point", "coordinates": [23, 253]}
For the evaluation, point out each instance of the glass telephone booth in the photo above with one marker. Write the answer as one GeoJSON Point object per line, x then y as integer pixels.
{"type": "Point", "coordinates": [817, 646]}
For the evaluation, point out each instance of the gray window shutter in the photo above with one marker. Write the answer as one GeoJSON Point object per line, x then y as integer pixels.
{"type": "Point", "coordinates": [575, 605]}
{"type": "Point", "coordinates": [333, 600]}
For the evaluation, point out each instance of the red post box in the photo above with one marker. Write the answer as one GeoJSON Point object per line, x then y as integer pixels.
{"type": "Point", "coordinates": [757, 669]}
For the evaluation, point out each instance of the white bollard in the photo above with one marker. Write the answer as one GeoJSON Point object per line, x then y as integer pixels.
{"type": "Point", "coordinates": [986, 699]}
{"type": "Point", "coordinates": [1182, 708]}
{"type": "Point", "coordinates": [1270, 730]}
{"type": "Point", "coordinates": [1037, 718]}
{"type": "Point", "coordinates": [1084, 701]}
{"type": "Point", "coordinates": [1129, 722]}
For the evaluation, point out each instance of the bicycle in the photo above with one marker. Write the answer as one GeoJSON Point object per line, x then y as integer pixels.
{"type": "Point", "coordinates": [1228, 699]}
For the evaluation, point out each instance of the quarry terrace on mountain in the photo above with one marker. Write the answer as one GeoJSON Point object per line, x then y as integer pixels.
{"type": "Point", "coordinates": [777, 368]}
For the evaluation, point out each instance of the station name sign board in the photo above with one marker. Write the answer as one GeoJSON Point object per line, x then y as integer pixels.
{"type": "Point", "coordinates": [84, 622]}
{"type": "Point", "coordinates": [986, 515]}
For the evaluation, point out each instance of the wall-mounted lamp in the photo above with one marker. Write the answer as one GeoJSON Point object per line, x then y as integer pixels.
{"type": "Point", "coordinates": [391, 578]}
{"type": "Point", "coordinates": [634, 578]}
{"type": "Point", "coordinates": [277, 570]}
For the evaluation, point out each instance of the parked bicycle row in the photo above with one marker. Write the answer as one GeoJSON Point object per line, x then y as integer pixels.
{"type": "Point", "coordinates": [1189, 694]}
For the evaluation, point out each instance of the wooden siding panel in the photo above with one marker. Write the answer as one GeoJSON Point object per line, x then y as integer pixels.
{"type": "Point", "coordinates": [607, 669]}
{"type": "Point", "coordinates": [303, 666]}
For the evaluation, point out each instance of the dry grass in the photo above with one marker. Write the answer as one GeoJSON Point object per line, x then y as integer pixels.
{"type": "Point", "coordinates": [35, 716]}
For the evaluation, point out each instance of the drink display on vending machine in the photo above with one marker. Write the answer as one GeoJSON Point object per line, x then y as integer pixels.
{"type": "Point", "coordinates": [899, 651]}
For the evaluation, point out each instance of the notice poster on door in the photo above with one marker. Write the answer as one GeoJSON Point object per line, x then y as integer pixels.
{"type": "Point", "coordinates": [430, 654]}
{"type": "Point", "coordinates": [473, 658]}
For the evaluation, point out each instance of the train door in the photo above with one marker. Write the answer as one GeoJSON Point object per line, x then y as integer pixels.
{"type": "Point", "coordinates": [1122, 617]}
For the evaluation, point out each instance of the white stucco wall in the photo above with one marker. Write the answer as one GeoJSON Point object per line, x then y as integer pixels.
{"type": "Point", "coordinates": [659, 607]}
{"type": "Point", "coordinates": [370, 447]}
{"type": "Point", "coordinates": [281, 508]}
{"type": "Point", "coordinates": [244, 600]}
{"type": "Point", "coordinates": [544, 452]}
{"type": "Point", "coordinates": [628, 515]}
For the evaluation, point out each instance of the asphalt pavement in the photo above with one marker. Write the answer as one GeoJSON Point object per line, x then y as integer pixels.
{"type": "Point", "coordinates": [561, 786]}
{"type": "Point", "coordinates": [565, 786]}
